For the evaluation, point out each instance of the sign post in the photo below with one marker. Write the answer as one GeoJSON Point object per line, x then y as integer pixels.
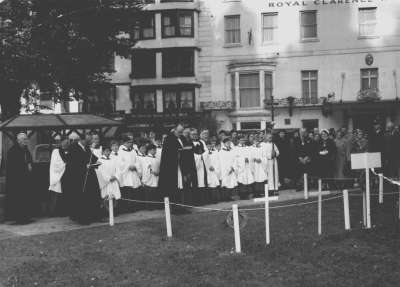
{"type": "Point", "coordinates": [366, 161]}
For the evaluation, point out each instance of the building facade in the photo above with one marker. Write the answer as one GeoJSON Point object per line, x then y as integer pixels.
{"type": "Point", "coordinates": [244, 63]}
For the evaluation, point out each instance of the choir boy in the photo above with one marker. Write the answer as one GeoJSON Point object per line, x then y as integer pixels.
{"type": "Point", "coordinates": [142, 158]}
{"type": "Point", "coordinates": [228, 170]}
{"type": "Point", "coordinates": [128, 173]}
{"type": "Point", "coordinates": [244, 168]}
{"type": "Point", "coordinates": [114, 149]}
{"type": "Point", "coordinates": [107, 175]}
{"type": "Point", "coordinates": [258, 163]}
{"type": "Point", "coordinates": [96, 147]}
{"type": "Point", "coordinates": [150, 172]}
{"type": "Point", "coordinates": [213, 172]}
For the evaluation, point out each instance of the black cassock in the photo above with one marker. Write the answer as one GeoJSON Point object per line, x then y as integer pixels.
{"type": "Point", "coordinates": [170, 157]}
{"type": "Point", "coordinates": [82, 186]}
{"type": "Point", "coordinates": [19, 190]}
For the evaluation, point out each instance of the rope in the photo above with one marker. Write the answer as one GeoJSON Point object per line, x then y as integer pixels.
{"type": "Point", "coordinates": [142, 201]}
{"type": "Point", "coordinates": [291, 205]}
{"type": "Point", "coordinates": [202, 208]}
{"type": "Point", "coordinates": [390, 180]}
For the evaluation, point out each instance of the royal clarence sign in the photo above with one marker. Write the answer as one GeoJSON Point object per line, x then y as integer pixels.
{"type": "Point", "coordinates": [274, 4]}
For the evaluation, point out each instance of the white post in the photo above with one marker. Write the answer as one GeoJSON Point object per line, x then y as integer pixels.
{"type": "Point", "coordinates": [238, 248]}
{"type": "Point", "coordinates": [380, 188]}
{"type": "Point", "coordinates": [267, 235]}
{"type": "Point", "coordinates": [346, 209]}
{"type": "Point", "coordinates": [368, 198]}
{"type": "Point", "coordinates": [305, 186]}
{"type": "Point", "coordinates": [111, 210]}
{"type": "Point", "coordinates": [168, 217]}
{"type": "Point", "coordinates": [319, 206]}
{"type": "Point", "coordinates": [364, 209]}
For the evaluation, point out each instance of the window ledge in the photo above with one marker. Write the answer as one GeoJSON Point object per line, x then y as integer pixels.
{"type": "Point", "coordinates": [367, 37]}
{"type": "Point", "coordinates": [233, 45]}
{"type": "Point", "coordinates": [309, 40]}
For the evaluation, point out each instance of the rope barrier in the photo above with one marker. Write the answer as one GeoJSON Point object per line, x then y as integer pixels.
{"type": "Point", "coordinates": [202, 208]}
{"type": "Point", "coordinates": [390, 180]}
{"type": "Point", "coordinates": [142, 201]}
{"type": "Point", "coordinates": [291, 205]}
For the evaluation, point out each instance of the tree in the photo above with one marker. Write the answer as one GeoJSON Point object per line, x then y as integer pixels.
{"type": "Point", "coordinates": [62, 45]}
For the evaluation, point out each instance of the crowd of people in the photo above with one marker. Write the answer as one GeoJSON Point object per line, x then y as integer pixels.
{"type": "Point", "coordinates": [187, 165]}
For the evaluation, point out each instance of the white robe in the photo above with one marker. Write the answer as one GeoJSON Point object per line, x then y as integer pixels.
{"type": "Point", "coordinates": [271, 165]}
{"type": "Point", "coordinates": [126, 177]}
{"type": "Point", "coordinates": [105, 171]}
{"type": "Point", "coordinates": [199, 162]}
{"type": "Point", "coordinates": [149, 165]}
{"type": "Point", "coordinates": [57, 169]}
{"type": "Point", "coordinates": [258, 163]}
{"type": "Point", "coordinates": [244, 165]}
{"type": "Point", "coordinates": [227, 164]}
{"type": "Point", "coordinates": [211, 160]}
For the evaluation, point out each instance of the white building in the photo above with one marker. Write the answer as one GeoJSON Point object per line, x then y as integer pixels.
{"type": "Point", "coordinates": [326, 63]}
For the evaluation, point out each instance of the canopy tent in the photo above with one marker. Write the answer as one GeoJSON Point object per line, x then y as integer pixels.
{"type": "Point", "coordinates": [57, 124]}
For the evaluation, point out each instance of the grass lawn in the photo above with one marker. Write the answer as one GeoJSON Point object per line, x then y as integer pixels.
{"type": "Point", "coordinates": [137, 254]}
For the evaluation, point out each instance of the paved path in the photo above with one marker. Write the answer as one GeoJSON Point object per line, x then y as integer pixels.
{"type": "Point", "coordinates": [50, 225]}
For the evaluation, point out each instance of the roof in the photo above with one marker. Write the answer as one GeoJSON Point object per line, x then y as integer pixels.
{"type": "Point", "coordinates": [57, 122]}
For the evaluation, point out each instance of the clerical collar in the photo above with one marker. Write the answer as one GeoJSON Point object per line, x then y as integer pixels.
{"type": "Point", "coordinates": [104, 157]}
{"type": "Point", "coordinates": [152, 156]}
{"type": "Point", "coordinates": [140, 154]}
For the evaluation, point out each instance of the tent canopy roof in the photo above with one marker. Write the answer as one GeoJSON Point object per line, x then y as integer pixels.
{"type": "Point", "coordinates": [57, 122]}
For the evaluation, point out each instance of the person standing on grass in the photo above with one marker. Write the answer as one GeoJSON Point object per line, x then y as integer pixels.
{"type": "Point", "coordinates": [58, 162]}
{"type": "Point", "coordinates": [228, 170]}
{"type": "Point", "coordinates": [83, 189]}
{"type": "Point", "coordinates": [128, 171]}
{"type": "Point", "coordinates": [18, 182]}
{"type": "Point", "coordinates": [171, 180]}
{"type": "Point", "coordinates": [271, 154]}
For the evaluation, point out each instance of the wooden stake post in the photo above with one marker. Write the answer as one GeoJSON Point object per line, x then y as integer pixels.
{"type": "Point", "coordinates": [266, 200]}
{"type": "Point", "coordinates": [366, 161]}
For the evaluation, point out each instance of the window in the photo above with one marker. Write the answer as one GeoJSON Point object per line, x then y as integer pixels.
{"type": "Point", "coordinates": [369, 79]}
{"type": "Point", "coordinates": [177, 24]}
{"type": "Point", "coordinates": [178, 63]}
{"type": "Point", "coordinates": [268, 86]}
{"type": "Point", "coordinates": [249, 89]}
{"type": "Point", "coordinates": [308, 24]}
{"type": "Point", "coordinates": [143, 101]}
{"type": "Point", "coordinates": [143, 64]}
{"type": "Point", "coordinates": [144, 27]}
{"type": "Point", "coordinates": [367, 22]}
{"type": "Point", "coordinates": [269, 26]}
{"type": "Point", "coordinates": [250, 125]}
{"type": "Point", "coordinates": [310, 125]}
{"type": "Point", "coordinates": [309, 80]}
{"type": "Point", "coordinates": [232, 29]}
{"type": "Point", "coordinates": [176, 100]}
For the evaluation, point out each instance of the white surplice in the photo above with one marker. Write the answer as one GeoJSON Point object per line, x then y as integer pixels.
{"type": "Point", "coordinates": [258, 163]}
{"type": "Point", "coordinates": [271, 165]}
{"type": "Point", "coordinates": [105, 172]}
{"type": "Point", "coordinates": [227, 168]}
{"type": "Point", "coordinates": [57, 169]}
{"type": "Point", "coordinates": [150, 165]}
{"type": "Point", "coordinates": [126, 177]}
{"type": "Point", "coordinates": [211, 160]}
{"type": "Point", "coordinates": [243, 165]}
